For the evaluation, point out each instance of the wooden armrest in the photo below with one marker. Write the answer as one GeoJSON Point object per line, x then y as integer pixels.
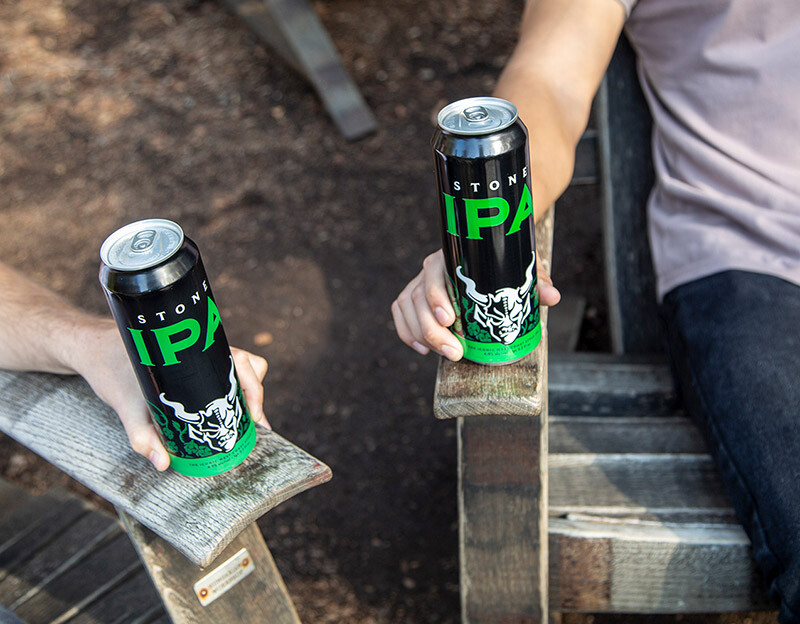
{"type": "Point", "coordinates": [466, 389]}
{"type": "Point", "coordinates": [61, 419]}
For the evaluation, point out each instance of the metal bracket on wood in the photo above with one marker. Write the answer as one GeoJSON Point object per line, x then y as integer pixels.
{"type": "Point", "coordinates": [292, 28]}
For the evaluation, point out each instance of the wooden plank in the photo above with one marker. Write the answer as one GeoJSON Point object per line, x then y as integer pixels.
{"type": "Point", "coordinates": [293, 29]}
{"type": "Point", "coordinates": [102, 570]}
{"type": "Point", "coordinates": [61, 419]}
{"type": "Point", "coordinates": [564, 324]}
{"type": "Point", "coordinates": [635, 482]}
{"type": "Point", "coordinates": [27, 516]}
{"type": "Point", "coordinates": [626, 434]}
{"type": "Point", "coordinates": [48, 528]}
{"type": "Point", "coordinates": [502, 450]}
{"type": "Point", "coordinates": [503, 546]}
{"type": "Point", "coordinates": [600, 384]}
{"type": "Point", "coordinates": [624, 126]}
{"type": "Point", "coordinates": [13, 499]}
{"type": "Point", "coordinates": [586, 170]}
{"type": "Point", "coordinates": [31, 572]}
{"type": "Point", "coordinates": [657, 568]}
{"type": "Point", "coordinates": [466, 389]}
{"type": "Point", "coordinates": [134, 600]}
{"type": "Point", "coordinates": [571, 587]}
{"type": "Point", "coordinates": [259, 597]}
{"type": "Point", "coordinates": [633, 517]}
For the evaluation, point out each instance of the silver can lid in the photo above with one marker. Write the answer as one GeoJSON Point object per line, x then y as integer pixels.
{"type": "Point", "coordinates": [141, 245]}
{"type": "Point", "coordinates": [477, 115]}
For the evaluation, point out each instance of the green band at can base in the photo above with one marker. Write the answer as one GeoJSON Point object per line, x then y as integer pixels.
{"type": "Point", "coordinates": [497, 352]}
{"type": "Point", "coordinates": [219, 463]}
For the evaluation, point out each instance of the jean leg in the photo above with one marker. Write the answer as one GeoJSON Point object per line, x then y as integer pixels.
{"type": "Point", "coordinates": [734, 342]}
{"type": "Point", "coordinates": [6, 617]}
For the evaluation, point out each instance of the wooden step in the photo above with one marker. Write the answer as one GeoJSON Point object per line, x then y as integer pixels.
{"type": "Point", "coordinates": [611, 434]}
{"type": "Point", "coordinates": [596, 384]}
{"type": "Point", "coordinates": [640, 522]}
{"type": "Point", "coordinates": [602, 564]}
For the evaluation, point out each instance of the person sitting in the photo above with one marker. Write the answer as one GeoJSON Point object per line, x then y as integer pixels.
{"type": "Point", "coordinates": [722, 82]}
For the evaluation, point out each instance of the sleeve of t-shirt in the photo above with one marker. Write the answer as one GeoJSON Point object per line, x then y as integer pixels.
{"type": "Point", "coordinates": [628, 5]}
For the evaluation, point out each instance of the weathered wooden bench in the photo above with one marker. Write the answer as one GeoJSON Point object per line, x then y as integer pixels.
{"type": "Point", "coordinates": [582, 486]}
{"type": "Point", "coordinates": [197, 538]}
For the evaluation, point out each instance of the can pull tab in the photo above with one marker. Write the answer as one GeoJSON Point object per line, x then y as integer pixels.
{"type": "Point", "coordinates": [476, 113]}
{"type": "Point", "coordinates": [143, 241]}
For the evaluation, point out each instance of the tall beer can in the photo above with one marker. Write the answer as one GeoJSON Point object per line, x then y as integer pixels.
{"type": "Point", "coordinates": [482, 165]}
{"type": "Point", "coordinates": [158, 292]}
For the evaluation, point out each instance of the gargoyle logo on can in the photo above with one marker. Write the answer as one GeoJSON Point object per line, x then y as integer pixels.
{"type": "Point", "coordinates": [502, 312]}
{"type": "Point", "coordinates": [217, 425]}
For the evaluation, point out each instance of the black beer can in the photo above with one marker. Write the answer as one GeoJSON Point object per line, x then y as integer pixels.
{"type": "Point", "coordinates": [482, 165]}
{"type": "Point", "coordinates": [158, 292]}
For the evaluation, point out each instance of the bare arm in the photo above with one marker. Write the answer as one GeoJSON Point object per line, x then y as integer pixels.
{"type": "Point", "coordinates": [40, 331]}
{"type": "Point", "coordinates": [552, 76]}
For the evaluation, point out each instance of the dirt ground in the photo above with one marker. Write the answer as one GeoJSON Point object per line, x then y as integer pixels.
{"type": "Point", "coordinates": [119, 110]}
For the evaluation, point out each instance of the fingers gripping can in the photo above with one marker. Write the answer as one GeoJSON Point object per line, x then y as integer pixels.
{"type": "Point", "coordinates": [158, 292]}
{"type": "Point", "coordinates": [480, 151]}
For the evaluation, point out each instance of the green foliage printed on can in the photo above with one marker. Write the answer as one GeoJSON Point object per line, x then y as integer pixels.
{"type": "Point", "coordinates": [195, 455]}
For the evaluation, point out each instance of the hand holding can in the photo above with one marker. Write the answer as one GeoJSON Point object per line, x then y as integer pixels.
{"type": "Point", "coordinates": [159, 295]}
{"type": "Point", "coordinates": [483, 180]}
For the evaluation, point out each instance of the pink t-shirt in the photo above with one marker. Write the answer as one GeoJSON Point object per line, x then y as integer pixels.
{"type": "Point", "coordinates": [722, 78]}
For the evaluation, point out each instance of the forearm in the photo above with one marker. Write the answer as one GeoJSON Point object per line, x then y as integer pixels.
{"type": "Point", "coordinates": [38, 329]}
{"type": "Point", "coordinates": [551, 138]}
{"type": "Point", "coordinates": [552, 77]}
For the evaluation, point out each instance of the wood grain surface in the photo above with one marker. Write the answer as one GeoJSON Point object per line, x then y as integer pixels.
{"type": "Point", "coordinates": [614, 434]}
{"type": "Point", "coordinates": [40, 565]}
{"type": "Point", "coordinates": [106, 567]}
{"type": "Point", "coordinates": [635, 481]}
{"type": "Point", "coordinates": [61, 419]}
{"type": "Point", "coordinates": [502, 463]}
{"type": "Point", "coordinates": [597, 384]}
{"type": "Point", "coordinates": [259, 597]}
{"type": "Point", "coordinates": [651, 567]}
{"type": "Point", "coordinates": [639, 519]}
{"type": "Point", "coordinates": [502, 522]}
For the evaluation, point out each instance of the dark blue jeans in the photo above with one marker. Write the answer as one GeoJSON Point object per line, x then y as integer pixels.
{"type": "Point", "coordinates": [6, 617]}
{"type": "Point", "coordinates": [734, 343]}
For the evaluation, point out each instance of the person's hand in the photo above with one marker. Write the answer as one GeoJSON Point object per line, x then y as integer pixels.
{"type": "Point", "coordinates": [423, 312]}
{"type": "Point", "coordinates": [99, 357]}
{"type": "Point", "coordinates": [251, 370]}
